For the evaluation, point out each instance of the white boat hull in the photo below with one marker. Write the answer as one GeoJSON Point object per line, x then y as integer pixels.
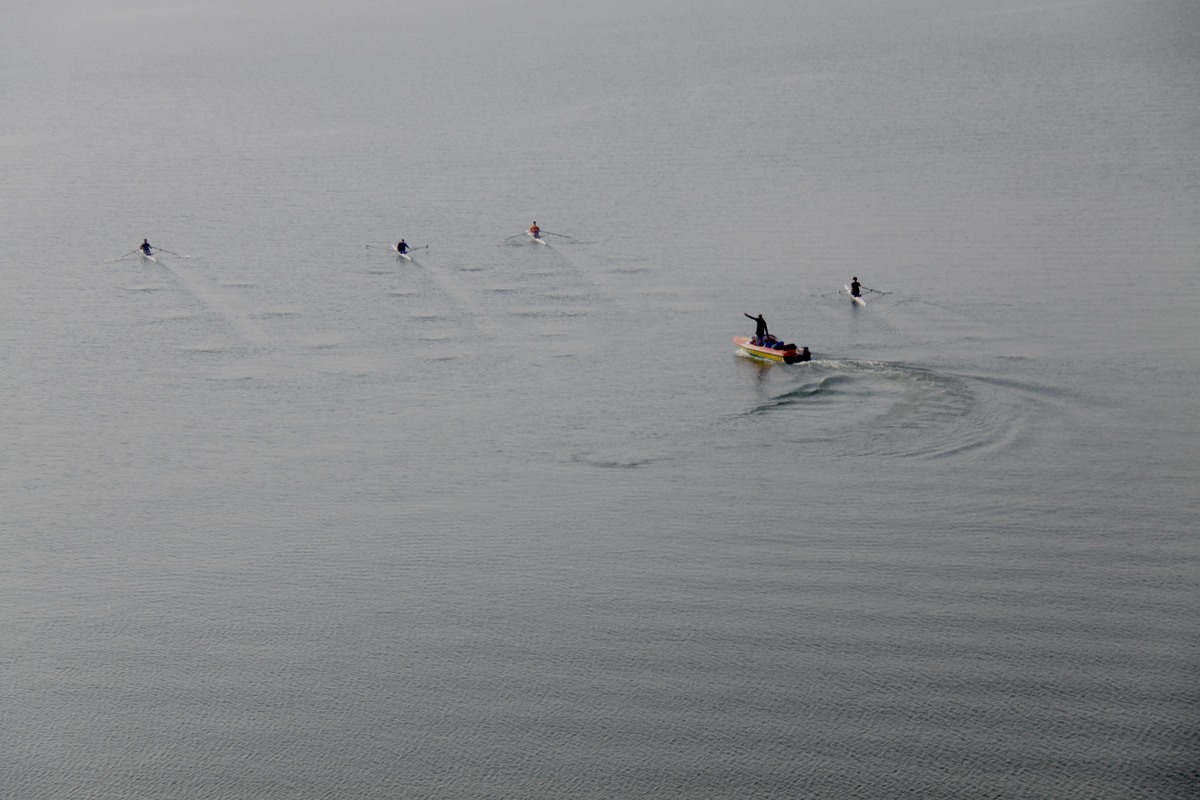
{"type": "Point", "coordinates": [858, 301]}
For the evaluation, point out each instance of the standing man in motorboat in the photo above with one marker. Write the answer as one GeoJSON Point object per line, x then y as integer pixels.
{"type": "Point", "coordinates": [760, 329]}
{"type": "Point", "coordinates": [855, 288]}
{"type": "Point", "coordinates": [535, 231]}
{"type": "Point", "coordinates": [402, 247]}
{"type": "Point", "coordinates": [146, 248]}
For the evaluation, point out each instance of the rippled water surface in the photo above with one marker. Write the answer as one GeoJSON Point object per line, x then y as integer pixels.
{"type": "Point", "coordinates": [286, 516]}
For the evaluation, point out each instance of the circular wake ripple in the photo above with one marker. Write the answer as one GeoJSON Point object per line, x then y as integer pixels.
{"type": "Point", "coordinates": [878, 408]}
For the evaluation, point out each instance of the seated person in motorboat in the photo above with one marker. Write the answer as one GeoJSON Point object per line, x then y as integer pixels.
{"type": "Point", "coordinates": [774, 343]}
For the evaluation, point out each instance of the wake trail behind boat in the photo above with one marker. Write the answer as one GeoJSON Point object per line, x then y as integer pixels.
{"type": "Point", "coordinates": [455, 294]}
{"type": "Point", "coordinates": [210, 296]}
{"type": "Point", "coordinates": [899, 410]}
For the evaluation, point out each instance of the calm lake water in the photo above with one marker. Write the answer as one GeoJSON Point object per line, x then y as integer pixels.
{"type": "Point", "coordinates": [288, 517]}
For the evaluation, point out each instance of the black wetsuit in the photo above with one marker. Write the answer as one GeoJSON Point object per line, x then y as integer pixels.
{"type": "Point", "coordinates": [146, 248]}
{"type": "Point", "coordinates": [402, 247]}
{"type": "Point", "coordinates": [856, 289]}
{"type": "Point", "coordinates": [760, 330]}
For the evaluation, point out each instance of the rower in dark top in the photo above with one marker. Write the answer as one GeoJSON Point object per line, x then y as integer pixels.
{"type": "Point", "coordinates": [760, 330]}
{"type": "Point", "coordinates": [402, 247]}
{"type": "Point", "coordinates": [855, 288]}
{"type": "Point", "coordinates": [146, 248]}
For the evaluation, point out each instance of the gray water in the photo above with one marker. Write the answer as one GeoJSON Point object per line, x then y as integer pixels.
{"type": "Point", "coordinates": [285, 517]}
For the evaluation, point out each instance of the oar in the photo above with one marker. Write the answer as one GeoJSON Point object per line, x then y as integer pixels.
{"type": "Point", "coordinates": [392, 247]}
{"type": "Point", "coordinates": [165, 250]}
{"type": "Point", "coordinates": [118, 258]}
{"type": "Point", "coordinates": [522, 233]}
{"type": "Point", "coordinates": [876, 291]}
{"type": "Point", "coordinates": [561, 236]}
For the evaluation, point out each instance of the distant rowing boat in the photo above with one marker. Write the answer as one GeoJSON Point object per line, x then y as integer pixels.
{"type": "Point", "coordinates": [855, 299]}
{"type": "Point", "coordinates": [147, 256]}
{"type": "Point", "coordinates": [535, 237]}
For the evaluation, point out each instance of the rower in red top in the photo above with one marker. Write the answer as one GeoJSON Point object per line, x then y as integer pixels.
{"type": "Point", "coordinates": [535, 231]}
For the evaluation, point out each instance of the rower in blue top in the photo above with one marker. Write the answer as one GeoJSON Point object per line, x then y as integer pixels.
{"type": "Point", "coordinates": [402, 247]}
{"type": "Point", "coordinates": [146, 248]}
